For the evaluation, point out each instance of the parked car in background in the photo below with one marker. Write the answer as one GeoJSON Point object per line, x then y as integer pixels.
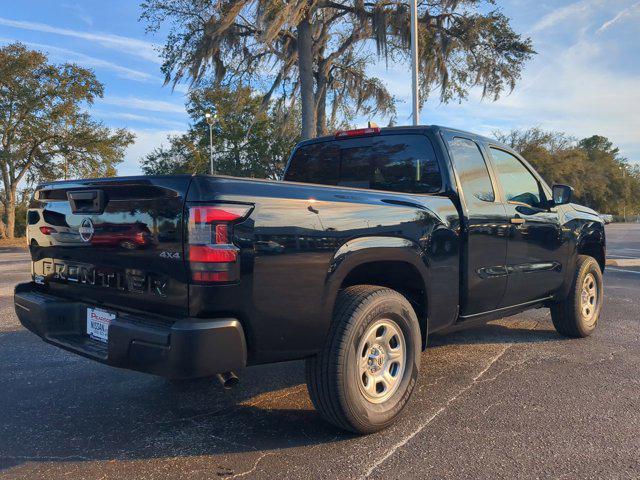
{"type": "Point", "coordinates": [48, 228]}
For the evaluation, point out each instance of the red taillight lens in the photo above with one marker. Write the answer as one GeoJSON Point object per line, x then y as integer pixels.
{"type": "Point", "coordinates": [357, 132]}
{"type": "Point", "coordinates": [212, 254]}
{"type": "Point", "coordinates": [213, 257]}
{"type": "Point", "coordinates": [228, 213]}
{"type": "Point", "coordinates": [48, 230]}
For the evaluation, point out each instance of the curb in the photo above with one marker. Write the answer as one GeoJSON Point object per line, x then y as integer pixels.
{"type": "Point", "coordinates": [624, 262]}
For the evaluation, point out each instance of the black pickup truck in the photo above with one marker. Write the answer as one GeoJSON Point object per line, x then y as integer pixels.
{"type": "Point", "coordinates": [376, 238]}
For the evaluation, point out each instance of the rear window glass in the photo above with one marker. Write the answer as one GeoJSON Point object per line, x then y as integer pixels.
{"type": "Point", "coordinates": [402, 163]}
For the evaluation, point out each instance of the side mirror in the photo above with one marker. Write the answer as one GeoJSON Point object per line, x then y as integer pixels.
{"type": "Point", "coordinates": [562, 194]}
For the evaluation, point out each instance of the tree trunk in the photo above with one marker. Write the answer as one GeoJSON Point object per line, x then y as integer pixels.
{"type": "Point", "coordinates": [321, 104]}
{"type": "Point", "coordinates": [305, 65]}
{"type": "Point", "coordinates": [9, 202]}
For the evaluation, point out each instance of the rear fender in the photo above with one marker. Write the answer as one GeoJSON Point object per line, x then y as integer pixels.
{"type": "Point", "coordinates": [369, 250]}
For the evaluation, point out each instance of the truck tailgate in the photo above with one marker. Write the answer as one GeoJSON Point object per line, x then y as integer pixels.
{"type": "Point", "coordinates": [113, 242]}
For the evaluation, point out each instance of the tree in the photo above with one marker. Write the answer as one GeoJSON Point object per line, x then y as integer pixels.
{"type": "Point", "coordinates": [44, 131]}
{"type": "Point", "coordinates": [602, 179]}
{"type": "Point", "coordinates": [248, 140]}
{"type": "Point", "coordinates": [321, 49]}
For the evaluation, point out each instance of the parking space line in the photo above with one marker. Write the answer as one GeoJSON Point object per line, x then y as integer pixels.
{"type": "Point", "coordinates": [460, 392]}
{"type": "Point", "coordinates": [622, 270]}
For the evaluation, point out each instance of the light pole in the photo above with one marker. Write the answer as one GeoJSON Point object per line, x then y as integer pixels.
{"type": "Point", "coordinates": [414, 61]}
{"type": "Point", "coordinates": [210, 117]}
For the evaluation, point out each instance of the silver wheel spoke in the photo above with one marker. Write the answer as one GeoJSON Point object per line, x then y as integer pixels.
{"type": "Point", "coordinates": [364, 362]}
{"type": "Point", "coordinates": [395, 354]}
{"type": "Point", "coordinates": [371, 385]}
{"type": "Point", "coordinates": [388, 378]}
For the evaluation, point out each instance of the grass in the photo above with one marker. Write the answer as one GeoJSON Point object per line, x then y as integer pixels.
{"type": "Point", "coordinates": [13, 242]}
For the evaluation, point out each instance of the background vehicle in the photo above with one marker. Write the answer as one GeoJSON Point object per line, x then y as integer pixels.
{"type": "Point", "coordinates": [375, 239]}
{"type": "Point", "coordinates": [130, 235]}
{"type": "Point", "coordinates": [606, 218]}
{"type": "Point", "coordinates": [47, 228]}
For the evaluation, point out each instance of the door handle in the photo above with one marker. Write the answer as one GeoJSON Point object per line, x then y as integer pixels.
{"type": "Point", "coordinates": [517, 220]}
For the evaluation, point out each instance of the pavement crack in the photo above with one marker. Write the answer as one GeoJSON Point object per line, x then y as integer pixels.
{"type": "Point", "coordinates": [428, 421]}
{"type": "Point", "coordinates": [252, 469]}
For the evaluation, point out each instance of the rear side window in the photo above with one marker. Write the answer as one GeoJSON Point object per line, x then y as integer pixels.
{"type": "Point", "coordinates": [33, 217]}
{"type": "Point", "coordinates": [401, 163]}
{"type": "Point", "coordinates": [472, 171]}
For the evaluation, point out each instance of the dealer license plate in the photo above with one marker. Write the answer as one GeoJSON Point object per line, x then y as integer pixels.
{"type": "Point", "coordinates": [98, 322]}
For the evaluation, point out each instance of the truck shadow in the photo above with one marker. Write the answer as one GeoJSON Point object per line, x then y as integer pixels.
{"type": "Point", "coordinates": [60, 407]}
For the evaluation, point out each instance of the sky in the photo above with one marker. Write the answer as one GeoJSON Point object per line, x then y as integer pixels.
{"type": "Point", "coordinates": [584, 80]}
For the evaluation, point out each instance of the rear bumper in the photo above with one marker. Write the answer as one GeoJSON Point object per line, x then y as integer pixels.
{"type": "Point", "coordinates": [187, 348]}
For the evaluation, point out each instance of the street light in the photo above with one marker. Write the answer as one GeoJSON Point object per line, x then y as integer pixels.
{"type": "Point", "coordinates": [210, 118]}
{"type": "Point", "coordinates": [414, 61]}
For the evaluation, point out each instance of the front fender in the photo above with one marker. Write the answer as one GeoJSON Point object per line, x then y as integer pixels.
{"type": "Point", "coordinates": [588, 237]}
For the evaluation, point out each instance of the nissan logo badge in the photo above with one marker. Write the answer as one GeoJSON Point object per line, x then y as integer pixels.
{"type": "Point", "coordinates": [86, 230]}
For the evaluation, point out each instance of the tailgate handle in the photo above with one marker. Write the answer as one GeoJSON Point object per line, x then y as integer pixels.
{"type": "Point", "coordinates": [87, 201]}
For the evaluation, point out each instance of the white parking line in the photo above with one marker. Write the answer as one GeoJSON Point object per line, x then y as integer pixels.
{"type": "Point", "coordinates": [622, 270]}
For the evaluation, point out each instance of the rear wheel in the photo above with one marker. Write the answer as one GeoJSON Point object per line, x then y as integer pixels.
{"type": "Point", "coordinates": [365, 374]}
{"type": "Point", "coordinates": [577, 315]}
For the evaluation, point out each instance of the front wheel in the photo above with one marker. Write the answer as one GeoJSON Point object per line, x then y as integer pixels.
{"type": "Point", "coordinates": [577, 315]}
{"type": "Point", "coordinates": [366, 372]}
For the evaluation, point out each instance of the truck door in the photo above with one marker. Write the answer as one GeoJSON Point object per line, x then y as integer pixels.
{"type": "Point", "coordinates": [484, 247]}
{"type": "Point", "coordinates": [536, 251]}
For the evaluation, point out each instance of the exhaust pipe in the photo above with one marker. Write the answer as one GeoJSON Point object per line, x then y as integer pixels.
{"type": "Point", "coordinates": [227, 379]}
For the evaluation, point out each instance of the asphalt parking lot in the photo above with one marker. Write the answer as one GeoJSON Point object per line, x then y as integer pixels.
{"type": "Point", "coordinates": [508, 400]}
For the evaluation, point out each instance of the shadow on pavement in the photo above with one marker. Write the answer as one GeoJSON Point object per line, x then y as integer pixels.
{"type": "Point", "coordinates": [60, 407]}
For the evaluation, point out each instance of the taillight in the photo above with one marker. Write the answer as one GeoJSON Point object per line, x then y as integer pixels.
{"type": "Point", "coordinates": [213, 257]}
{"type": "Point", "coordinates": [48, 230]}
{"type": "Point", "coordinates": [358, 132]}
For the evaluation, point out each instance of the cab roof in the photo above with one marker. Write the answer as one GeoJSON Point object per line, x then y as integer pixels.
{"type": "Point", "coordinates": [408, 129]}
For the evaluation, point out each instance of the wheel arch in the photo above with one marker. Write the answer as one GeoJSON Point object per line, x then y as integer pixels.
{"type": "Point", "coordinates": [390, 262]}
{"type": "Point", "coordinates": [595, 249]}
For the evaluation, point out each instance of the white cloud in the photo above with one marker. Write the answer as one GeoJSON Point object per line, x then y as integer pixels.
{"type": "Point", "coordinates": [65, 55]}
{"type": "Point", "coordinates": [627, 12]}
{"type": "Point", "coordinates": [144, 104]}
{"type": "Point", "coordinates": [133, 117]}
{"type": "Point", "coordinates": [127, 45]}
{"type": "Point", "coordinates": [565, 13]}
{"type": "Point", "coordinates": [80, 12]}
{"type": "Point", "coordinates": [146, 142]}
{"type": "Point", "coordinates": [570, 93]}
{"type": "Point", "coordinates": [571, 88]}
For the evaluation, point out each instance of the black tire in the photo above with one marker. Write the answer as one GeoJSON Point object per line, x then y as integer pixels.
{"type": "Point", "coordinates": [572, 317]}
{"type": "Point", "coordinates": [334, 373]}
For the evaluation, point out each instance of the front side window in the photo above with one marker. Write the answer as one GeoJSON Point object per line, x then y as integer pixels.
{"type": "Point", "coordinates": [400, 163]}
{"type": "Point", "coordinates": [517, 181]}
{"type": "Point", "coordinates": [472, 171]}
